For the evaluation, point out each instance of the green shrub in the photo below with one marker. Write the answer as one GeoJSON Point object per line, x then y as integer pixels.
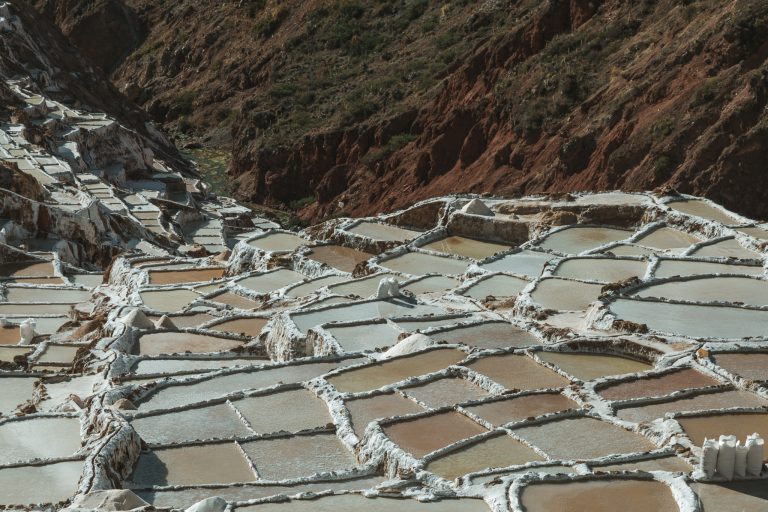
{"type": "Point", "coordinates": [184, 102]}
{"type": "Point", "coordinates": [663, 165]}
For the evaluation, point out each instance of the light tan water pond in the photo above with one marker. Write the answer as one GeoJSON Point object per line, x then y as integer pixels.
{"type": "Point", "coordinates": [494, 452]}
{"type": "Point", "coordinates": [565, 295]}
{"type": "Point", "coordinates": [60, 480]}
{"type": "Point", "coordinates": [248, 326]}
{"type": "Point", "coordinates": [271, 281]}
{"type": "Point", "coordinates": [585, 366]}
{"type": "Point", "coordinates": [712, 426]}
{"type": "Point", "coordinates": [526, 263]}
{"type": "Point", "coordinates": [192, 465]}
{"type": "Point", "coordinates": [745, 290]}
{"type": "Point", "coordinates": [278, 242]}
{"type": "Point", "coordinates": [512, 409]}
{"type": "Point", "coordinates": [365, 337]}
{"type": "Point", "coordinates": [658, 385]}
{"type": "Point", "coordinates": [488, 335]}
{"type": "Point", "coordinates": [177, 342]}
{"type": "Point", "coordinates": [289, 411]}
{"type": "Point", "coordinates": [468, 247]}
{"type": "Point", "coordinates": [702, 209]}
{"type": "Point", "coordinates": [588, 438]}
{"type": "Point", "coordinates": [703, 402]}
{"type": "Point", "coordinates": [729, 248]}
{"type": "Point", "coordinates": [669, 268]}
{"type": "Point", "coordinates": [418, 263]}
{"type": "Point", "coordinates": [446, 391]}
{"type": "Point", "coordinates": [192, 275]}
{"type": "Point", "coordinates": [308, 287]}
{"type": "Point", "coordinates": [499, 286]}
{"type": "Point", "coordinates": [432, 284]}
{"type": "Point", "coordinates": [384, 232]}
{"type": "Point", "coordinates": [168, 300]}
{"type": "Point", "coordinates": [299, 456]}
{"type": "Point", "coordinates": [39, 438]}
{"type": "Point", "coordinates": [577, 239]}
{"type": "Point", "coordinates": [213, 422]}
{"type": "Point", "coordinates": [599, 496]}
{"type": "Point", "coordinates": [606, 270]}
{"type": "Point", "coordinates": [747, 365]}
{"type": "Point", "coordinates": [668, 238]}
{"type": "Point", "coordinates": [390, 371]}
{"type": "Point", "coordinates": [365, 410]}
{"type": "Point", "coordinates": [363, 311]}
{"type": "Point", "coordinates": [234, 300]}
{"type": "Point", "coordinates": [518, 372]}
{"type": "Point", "coordinates": [364, 287]}
{"type": "Point", "coordinates": [356, 503]}
{"type": "Point", "coordinates": [693, 320]}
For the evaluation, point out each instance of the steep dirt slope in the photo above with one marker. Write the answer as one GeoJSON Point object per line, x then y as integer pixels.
{"type": "Point", "coordinates": [352, 106]}
{"type": "Point", "coordinates": [41, 54]}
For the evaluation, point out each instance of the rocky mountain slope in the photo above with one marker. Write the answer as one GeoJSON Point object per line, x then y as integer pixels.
{"type": "Point", "coordinates": [353, 106]}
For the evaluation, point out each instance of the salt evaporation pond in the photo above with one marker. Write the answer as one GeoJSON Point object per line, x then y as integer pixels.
{"type": "Point", "coordinates": [467, 247]}
{"type": "Point", "coordinates": [535, 378]}
{"type": "Point", "coordinates": [575, 240]}
{"type": "Point", "coordinates": [384, 232]}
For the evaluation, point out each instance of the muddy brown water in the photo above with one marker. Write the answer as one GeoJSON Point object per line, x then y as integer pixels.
{"type": "Point", "coordinates": [339, 257]}
{"type": "Point", "coordinates": [192, 275]}
{"type": "Point", "coordinates": [599, 496]}
{"type": "Point", "coordinates": [592, 366]}
{"type": "Point", "coordinates": [235, 300]}
{"type": "Point", "coordinates": [248, 326]}
{"type": "Point", "coordinates": [179, 342]}
{"type": "Point", "coordinates": [658, 385]}
{"type": "Point", "coordinates": [488, 335]}
{"type": "Point", "coordinates": [748, 365]}
{"type": "Point", "coordinates": [712, 426]}
{"type": "Point", "coordinates": [427, 434]}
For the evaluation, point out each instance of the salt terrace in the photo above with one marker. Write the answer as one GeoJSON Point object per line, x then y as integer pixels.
{"type": "Point", "coordinates": [465, 354]}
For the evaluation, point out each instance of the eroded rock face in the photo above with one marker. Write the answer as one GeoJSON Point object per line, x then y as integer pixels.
{"type": "Point", "coordinates": [689, 117]}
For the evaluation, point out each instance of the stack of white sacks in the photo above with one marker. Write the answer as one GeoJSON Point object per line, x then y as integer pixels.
{"type": "Point", "coordinates": [731, 459]}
